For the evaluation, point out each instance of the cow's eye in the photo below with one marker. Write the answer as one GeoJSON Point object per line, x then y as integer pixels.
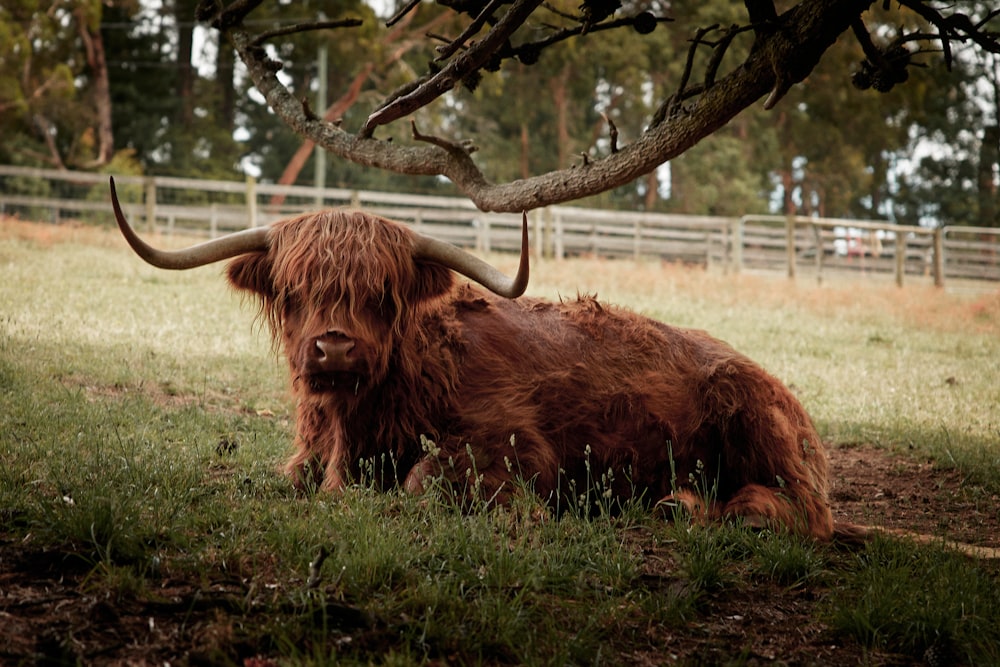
{"type": "Point", "coordinates": [383, 304]}
{"type": "Point", "coordinates": [290, 304]}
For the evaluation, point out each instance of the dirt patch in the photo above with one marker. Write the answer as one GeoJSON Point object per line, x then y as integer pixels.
{"type": "Point", "coordinates": [870, 487]}
{"type": "Point", "coordinates": [162, 394]}
{"type": "Point", "coordinates": [52, 613]}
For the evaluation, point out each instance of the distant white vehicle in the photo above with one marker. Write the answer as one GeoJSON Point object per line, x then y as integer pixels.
{"type": "Point", "coordinates": [853, 242]}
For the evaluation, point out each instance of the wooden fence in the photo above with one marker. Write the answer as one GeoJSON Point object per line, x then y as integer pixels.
{"type": "Point", "coordinates": [797, 246]}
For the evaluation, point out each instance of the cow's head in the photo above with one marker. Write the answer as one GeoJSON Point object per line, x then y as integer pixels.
{"type": "Point", "coordinates": [337, 288]}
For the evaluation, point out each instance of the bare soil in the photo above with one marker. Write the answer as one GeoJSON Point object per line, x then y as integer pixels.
{"type": "Point", "coordinates": [51, 613]}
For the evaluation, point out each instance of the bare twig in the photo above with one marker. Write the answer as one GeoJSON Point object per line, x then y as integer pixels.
{"type": "Point", "coordinates": [230, 16]}
{"type": "Point", "coordinates": [672, 104]}
{"type": "Point", "coordinates": [935, 18]}
{"type": "Point", "coordinates": [871, 51]}
{"type": "Point", "coordinates": [558, 12]}
{"type": "Point", "coordinates": [450, 146]}
{"type": "Point", "coordinates": [305, 27]}
{"type": "Point", "coordinates": [957, 26]}
{"type": "Point", "coordinates": [719, 52]}
{"type": "Point", "coordinates": [612, 131]}
{"type": "Point", "coordinates": [455, 71]}
{"type": "Point", "coordinates": [475, 26]}
{"type": "Point", "coordinates": [407, 8]}
{"type": "Point", "coordinates": [314, 568]}
{"type": "Point", "coordinates": [566, 33]}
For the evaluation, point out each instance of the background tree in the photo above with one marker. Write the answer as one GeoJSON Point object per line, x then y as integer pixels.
{"type": "Point", "coordinates": [54, 99]}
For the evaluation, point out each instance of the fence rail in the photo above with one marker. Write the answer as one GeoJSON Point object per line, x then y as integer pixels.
{"type": "Point", "coordinates": [795, 245]}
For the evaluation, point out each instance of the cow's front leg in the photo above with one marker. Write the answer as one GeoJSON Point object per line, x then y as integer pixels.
{"type": "Point", "coordinates": [420, 476]}
{"type": "Point", "coordinates": [309, 472]}
{"type": "Point", "coordinates": [470, 476]}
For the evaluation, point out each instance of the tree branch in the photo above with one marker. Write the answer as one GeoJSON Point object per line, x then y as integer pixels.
{"type": "Point", "coordinates": [785, 50]}
{"type": "Point", "coordinates": [808, 30]}
{"type": "Point", "coordinates": [406, 9]}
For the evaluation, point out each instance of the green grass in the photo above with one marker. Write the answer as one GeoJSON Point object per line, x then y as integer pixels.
{"type": "Point", "coordinates": [912, 600]}
{"type": "Point", "coordinates": [144, 421]}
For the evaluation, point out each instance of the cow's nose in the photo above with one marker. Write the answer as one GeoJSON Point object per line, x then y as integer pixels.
{"type": "Point", "coordinates": [330, 351]}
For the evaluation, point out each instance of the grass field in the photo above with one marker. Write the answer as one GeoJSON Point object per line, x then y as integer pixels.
{"type": "Point", "coordinates": [143, 418]}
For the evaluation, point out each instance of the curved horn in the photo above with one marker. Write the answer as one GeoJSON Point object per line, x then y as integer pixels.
{"type": "Point", "coordinates": [476, 269]}
{"type": "Point", "coordinates": [248, 240]}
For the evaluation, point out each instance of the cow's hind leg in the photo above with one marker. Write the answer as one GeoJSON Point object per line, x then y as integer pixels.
{"type": "Point", "coordinates": [796, 509]}
{"type": "Point", "coordinates": [757, 506]}
{"type": "Point", "coordinates": [687, 504]}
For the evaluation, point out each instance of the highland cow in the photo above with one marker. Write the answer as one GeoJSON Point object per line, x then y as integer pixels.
{"type": "Point", "coordinates": [394, 360]}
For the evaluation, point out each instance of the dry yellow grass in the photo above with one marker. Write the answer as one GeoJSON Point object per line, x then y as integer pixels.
{"type": "Point", "coordinates": [649, 285]}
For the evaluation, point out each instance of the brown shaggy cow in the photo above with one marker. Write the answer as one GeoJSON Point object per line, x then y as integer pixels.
{"type": "Point", "coordinates": [393, 360]}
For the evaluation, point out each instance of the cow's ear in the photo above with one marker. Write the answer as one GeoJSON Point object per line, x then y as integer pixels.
{"type": "Point", "coordinates": [431, 281]}
{"type": "Point", "coordinates": [252, 273]}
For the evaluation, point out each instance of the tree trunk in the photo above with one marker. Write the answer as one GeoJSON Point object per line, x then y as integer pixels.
{"type": "Point", "coordinates": [989, 158]}
{"type": "Point", "coordinates": [560, 99]}
{"type": "Point", "coordinates": [525, 145]}
{"type": "Point", "coordinates": [47, 130]}
{"type": "Point", "coordinates": [93, 44]}
{"type": "Point", "coordinates": [787, 184]}
{"type": "Point", "coordinates": [225, 59]}
{"type": "Point", "coordinates": [184, 18]}
{"type": "Point", "coordinates": [652, 190]}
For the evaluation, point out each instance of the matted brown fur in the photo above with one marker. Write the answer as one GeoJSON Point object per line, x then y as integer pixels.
{"type": "Point", "coordinates": [561, 395]}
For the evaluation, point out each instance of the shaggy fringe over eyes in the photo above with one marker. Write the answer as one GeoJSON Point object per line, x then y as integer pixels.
{"type": "Point", "coordinates": [344, 261]}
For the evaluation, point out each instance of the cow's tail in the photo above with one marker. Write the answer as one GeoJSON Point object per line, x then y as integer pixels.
{"type": "Point", "coordinates": [853, 534]}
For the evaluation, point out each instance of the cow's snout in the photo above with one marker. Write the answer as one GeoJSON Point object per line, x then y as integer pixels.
{"type": "Point", "coordinates": [331, 353]}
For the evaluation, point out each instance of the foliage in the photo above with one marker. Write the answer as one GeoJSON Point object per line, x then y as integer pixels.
{"type": "Point", "coordinates": [39, 67]}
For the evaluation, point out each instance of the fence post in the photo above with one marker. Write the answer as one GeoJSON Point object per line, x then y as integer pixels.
{"type": "Point", "coordinates": [213, 221]}
{"type": "Point", "coordinates": [548, 240]}
{"type": "Point", "coordinates": [900, 257]}
{"type": "Point", "coordinates": [150, 194]}
{"type": "Point", "coordinates": [736, 239]}
{"type": "Point", "coordinates": [251, 202]}
{"type": "Point", "coordinates": [558, 245]}
{"type": "Point", "coordinates": [939, 257]}
{"type": "Point", "coordinates": [537, 223]}
{"type": "Point", "coordinates": [483, 232]}
{"type": "Point", "coordinates": [790, 244]}
{"type": "Point", "coordinates": [818, 236]}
